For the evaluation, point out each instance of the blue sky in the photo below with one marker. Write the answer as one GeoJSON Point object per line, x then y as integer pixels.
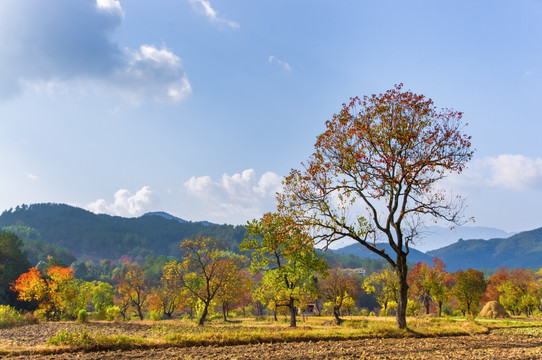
{"type": "Point", "coordinates": [199, 107]}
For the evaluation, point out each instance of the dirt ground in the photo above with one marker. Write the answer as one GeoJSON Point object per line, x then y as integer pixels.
{"type": "Point", "coordinates": [495, 345]}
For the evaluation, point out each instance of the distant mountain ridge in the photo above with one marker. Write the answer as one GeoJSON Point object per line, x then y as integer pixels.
{"type": "Point", "coordinates": [99, 236]}
{"type": "Point", "coordinates": [523, 250]}
{"type": "Point", "coordinates": [359, 250]}
{"type": "Point", "coordinates": [436, 237]}
{"type": "Point", "coordinates": [165, 215]}
{"type": "Point", "coordinates": [168, 216]}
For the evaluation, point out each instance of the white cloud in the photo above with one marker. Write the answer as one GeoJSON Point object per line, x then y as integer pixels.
{"type": "Point", "coordinates": [516, 172]}
{"type": "Point", "coordinates": [125, 204]}
{"type": "Point", "coordinates": [153, 72]}
{"type": "Point", "coordinates": [32, 177]}
{"type": "Point", "coordinates": [110, 5]}
{"type": "Point", "coordinates": [70, 43]}
{"type": "Point", "coordinates": [283, 64]}
{"type": "Point", "coordinates": [204, 7]}
{"type": "Point", "coordinates": [241, 196]}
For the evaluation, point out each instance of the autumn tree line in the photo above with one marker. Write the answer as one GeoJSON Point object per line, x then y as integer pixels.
{"type": "Point", "coordinates": [280, 275]}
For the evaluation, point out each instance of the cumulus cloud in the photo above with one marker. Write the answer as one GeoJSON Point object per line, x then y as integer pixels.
{"type": "Point", "coordinates": [283, 64]}
{"type": "Point", "coordinates": [240, 196]}
{"type": "Point", "coordinates": [110, 5]}
{"type": "Point", "coordinates": [514, 172]}
{"type": "Point", "coordinates": [65, 42]}
{"type": "Point", "coordinates": [204, 7]}
{"type": "Point", "coordinates": [152, 71]}
{"type": "Point", "coordinates": [125, 204]}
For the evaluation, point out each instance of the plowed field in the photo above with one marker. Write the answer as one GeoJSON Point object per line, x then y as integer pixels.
{"type": "Point", "coordinates": [498, 344]}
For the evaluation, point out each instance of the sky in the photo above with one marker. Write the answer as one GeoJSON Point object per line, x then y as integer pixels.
{"type": "Point", "coordinates": [200, 107]}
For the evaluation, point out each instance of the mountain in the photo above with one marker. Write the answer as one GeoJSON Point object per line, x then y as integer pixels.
{"type": "Point", "coordinates": [99, 236]}
{"type": "Point", "coordinates": [436, 237]}
{"type": "Point", "coordinates": [165, 215]}
{"type": "Point", "coordinates": [522, 250]}
{"type": "Point", "coordinates": [358, 250]}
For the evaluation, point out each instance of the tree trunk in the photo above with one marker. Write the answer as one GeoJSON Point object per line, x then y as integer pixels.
{"type": "Point", "coordinates": [439, 308]}
{"type": "Point", "coordinates": [203, 315]}
{"type": "Point", "coordinates": [337, 314]}
{"type": "Point", "coordinates": [275, 314]}
{"type": "Point", "coordinates": [427, 304]}
{"type": "Point", "coordinates": [292, 308]}
{"type": "Point", "coordinates": [139, 312]}
{"type": "Point", "coordinates": [224, 311]}
{"type": "Point", "coordinates": [402, 271]}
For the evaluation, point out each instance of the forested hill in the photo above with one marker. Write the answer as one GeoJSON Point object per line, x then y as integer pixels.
{"type": "Point", "coordinates": [91, 236]}
{"type": "Point", "coordinates": [522, 250]}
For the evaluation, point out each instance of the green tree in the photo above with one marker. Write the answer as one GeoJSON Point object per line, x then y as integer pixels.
{"type": "Point", "coordinates": [385, 286]}
{"type": "Point", "coordinates": [13, 263]}
{"type": "Point", "coordinates": [170, 292]}
{"type": "Point", "coordinates": [102, 297]}
{"type": "Point", "coordinates": [374, 173]}
{"type": "Point", "coordinates": [285, 252]}
{"type": "Point", "coordinates": [520, 292]}
{"type": "Point", "coordinates": [207, 270]}
{"type": "Point", "coordinates": [469, 288]}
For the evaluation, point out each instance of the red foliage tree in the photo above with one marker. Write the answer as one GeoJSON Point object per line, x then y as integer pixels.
{"type": "Point", "coordinates": [383, 153]}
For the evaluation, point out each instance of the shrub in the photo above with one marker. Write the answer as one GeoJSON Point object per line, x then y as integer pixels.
{"type": "Point", "coordinates": [82, 316]}
{"type": "Point", "coordinates": [457, 313]}
{"type": "Point", "coordinates": [156, 315]}
{"type": "Point", "coordinates": [364, 312]}
{"type": "Point", "coordinates": [30, 318]}
{"type": "Point", "coordinates": [9, 317]}
{"type": "Point", "coordinates": [74, 338]}
{"type": "Point", "coordinates": [112, 313]}
{"type": "Point", "coordinates": [413, 308]}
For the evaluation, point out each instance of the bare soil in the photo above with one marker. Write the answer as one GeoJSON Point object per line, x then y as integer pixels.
{"type": "Point", "coordinates": [495, 345]}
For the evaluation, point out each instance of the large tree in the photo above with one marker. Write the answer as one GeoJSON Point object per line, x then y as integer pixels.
{"type": "Point", "coordinates": [373, 176]}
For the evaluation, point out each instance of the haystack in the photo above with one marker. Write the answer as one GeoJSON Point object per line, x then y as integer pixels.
{"type": "Point", "coordinates": [493, 310]}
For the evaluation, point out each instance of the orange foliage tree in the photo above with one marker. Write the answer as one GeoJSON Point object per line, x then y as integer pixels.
{"type": "Point", "coordinates": [53, 294]}
{"type": "Point", "coordinates": [132, 288]}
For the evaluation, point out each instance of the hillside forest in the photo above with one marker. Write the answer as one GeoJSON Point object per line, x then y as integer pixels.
{"type": "Point", "coordinates": [213, 277]}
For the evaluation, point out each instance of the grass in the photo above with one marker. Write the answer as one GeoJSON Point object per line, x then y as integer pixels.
{"type": "Point", "coordinates": [173, 333]}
